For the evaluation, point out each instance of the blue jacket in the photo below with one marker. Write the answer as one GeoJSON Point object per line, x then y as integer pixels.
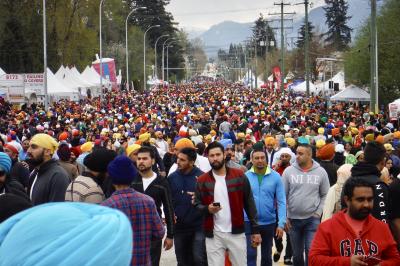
{"type": "Point", "coordinates": [188, 218]}
{"type": "Point", "coordinates": [270, 193]}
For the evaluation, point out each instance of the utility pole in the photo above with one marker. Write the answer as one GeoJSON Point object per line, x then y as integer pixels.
{"type": "Point", "coordinates": [374, 104]}
{"type": "Point", "coordinates": [282, 5]}
{"type": "Point", "coordinates": [306, 46]}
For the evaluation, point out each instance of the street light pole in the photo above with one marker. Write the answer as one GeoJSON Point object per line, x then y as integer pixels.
{"type": "Point", "coordinates": [101, 53]}
{"type": "Point", "coordinates": [168, 62]}
{"type": "Point", "coordinates": [144, 55]}
{"type": "Point", "coordinates": [46, 97]}
{"type": "Point", "coordinates": [126, 42]}
{"type": "Point", "coordinates": [162, 65]}
{"type": "Point", "coordinates": [155, 52]}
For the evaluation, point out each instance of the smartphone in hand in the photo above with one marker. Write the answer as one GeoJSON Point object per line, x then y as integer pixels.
{"type": "Point", "coordinates": [372, 261]}
{"type": "Point", "coordinates": [216, 204]}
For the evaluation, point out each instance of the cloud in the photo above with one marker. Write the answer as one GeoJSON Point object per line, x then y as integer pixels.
{"type": "Point", "coordinates": [205, 13]}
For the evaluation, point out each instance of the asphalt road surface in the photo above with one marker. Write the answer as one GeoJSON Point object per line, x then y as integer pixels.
{"type": "Point", "coordinates": [168, 257]}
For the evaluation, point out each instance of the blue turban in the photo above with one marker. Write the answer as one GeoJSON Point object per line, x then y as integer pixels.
{"type": "Point", "coordinates": [5, 162]}
{"type": "Point", "coordinates": [226, 143]}
{"type": "Point", "coordinates": [66, 234]}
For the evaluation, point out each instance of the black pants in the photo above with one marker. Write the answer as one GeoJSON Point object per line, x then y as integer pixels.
{"type": "Point", "coordinates": [190, 248]}
{"type": "Point", "coordinates": [155, 252]}
{"type": "Point", "coordinates": [279, 246]}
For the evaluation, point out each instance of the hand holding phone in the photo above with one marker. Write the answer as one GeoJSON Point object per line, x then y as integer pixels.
{"type": "Point", "coordinates": [216, 204]}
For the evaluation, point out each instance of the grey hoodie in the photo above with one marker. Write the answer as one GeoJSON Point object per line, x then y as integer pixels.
{"type": "Point", "coordinates": [305, 191]}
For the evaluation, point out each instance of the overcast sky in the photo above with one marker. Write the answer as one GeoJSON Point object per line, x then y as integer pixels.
{"type": "Point", "coordinates": [202, 14]}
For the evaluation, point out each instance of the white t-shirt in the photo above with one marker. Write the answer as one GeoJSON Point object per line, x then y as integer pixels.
{"type": "Point", "coordinates": [222, 219]}
{"type": "Point", "coordinates": [148, 181]}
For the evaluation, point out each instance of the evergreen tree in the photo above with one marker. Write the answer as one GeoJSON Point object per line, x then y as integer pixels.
{"type": "Point", "coordinates": [338, 35]}
{"type": "Point", "coordinates": [263, 33]}
{"type": "Point", "coordinates": [302, 32]}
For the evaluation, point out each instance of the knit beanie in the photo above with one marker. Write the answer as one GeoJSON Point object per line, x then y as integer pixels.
{"type": "Point", "coordinates": [122, 171]}
{"type": "Point", "coordinates": [184, 143]}
{"type": "Point", "coordinates": [5, 162]}
{"type": "Point", "coordinates": [11, 204]}
{"type": "Point", "coordinates": [327, 152]}
{"type": "Point", "coordinates": [66, 233]}
{"type": "Point", "coordinates": [99, 159]}
{"type": "Point", "coordinates": [63, 152]}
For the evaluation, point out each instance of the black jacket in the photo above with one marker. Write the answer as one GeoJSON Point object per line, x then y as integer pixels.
{"type": "Point", "coordinates": [20, 173]}
{"type": "Point", "coordinates": [49, 183]}
{"type": "Point", "coordinates": [371, 173]}
{"type": "Point", "coordinates": [188, 218]}
{"type": "Point", "coordinates": [12, 186]}
{"type": "Point", "coordinates": [331, 169]}
{"type": "Point", "coordinates": [160, 191]}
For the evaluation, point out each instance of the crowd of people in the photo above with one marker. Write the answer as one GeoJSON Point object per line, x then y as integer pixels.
{"type": "Point", "coordinates": [211, 168]}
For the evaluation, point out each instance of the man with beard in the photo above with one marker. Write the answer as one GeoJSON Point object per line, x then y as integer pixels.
{"type": "Point", "coordinates": [189, 236]}
{"type": "Point", "coordinates": [353, 236]}
{"type": "Point", "coordinates": [230, 155]}
{"type": "Point", "coordinates": [48, 181]}
{"type": "Point", "coordinates": [88, 186]}
{"type": "Point", "coordinates": [370, 170]}
{"type": "Point", "coordinates": [18, 171]}
{"type": "Point", "coordinates": [157, 187]}
{"type": "Point", "coordinates": [221, 195]}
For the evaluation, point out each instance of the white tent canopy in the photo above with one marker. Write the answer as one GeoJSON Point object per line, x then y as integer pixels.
{"type": "Point", "coordinates": [352, 93]}
{"type": "Point", "coordinates": [69, 80]}
{"type": "Point", "coordinates": [91, 75]}
{"type": "Point", "coordinates": [302, 87]}
{"type": "Point", "coordinates": [75, 73]}
{"type": "Point", "coordinates": [2, 72]}
{"type": "Point", "coordinates": [338, 78]}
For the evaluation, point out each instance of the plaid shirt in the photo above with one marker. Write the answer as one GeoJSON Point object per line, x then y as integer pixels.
{"type": "Point", "coordinates": [145, 221]}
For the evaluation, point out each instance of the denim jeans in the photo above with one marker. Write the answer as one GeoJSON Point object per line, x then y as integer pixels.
{"type": "Point", "coordinates": [267, 233]}
{"type": "Point", "coordinates": [190, 248]}
{"type": "Point", "coordinates": [301, 236]}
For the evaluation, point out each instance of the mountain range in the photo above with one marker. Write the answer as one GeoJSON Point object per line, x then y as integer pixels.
{"type": "Point", "coordinates": [221, 35]}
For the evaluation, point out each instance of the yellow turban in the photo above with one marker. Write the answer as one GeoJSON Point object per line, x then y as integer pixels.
{"type": "Point", "coordinates": [269, 140]}
{"type": "Point", "coordinates": [45, 141]}
{"type": "Point", "coordinates": [291, 142]}
{"type": "Point", "coordinates": [87, 146]}
{"type": "Point", "coordinates": [321, 130]}
{"type": "Point", "coordinates": [320, 143]}
{"type": "Point", "coordinates": [369, 137]}
{"type": "Point", "coordinates": [354, 131]}
{"type": "Point", "coordinates": [132, 148]}
{"type": "Point", "coordinates": [241, 135]}
{"type": "Point", "coordinates": [144, 137]}
{"type": "Point", "coordinates": [213, 133]}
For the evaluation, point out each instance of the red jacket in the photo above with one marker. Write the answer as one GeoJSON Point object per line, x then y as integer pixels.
{"type": "Point", "coordinates": [240, 197]}
{"type": "Point", "coordinates": [335, 242]}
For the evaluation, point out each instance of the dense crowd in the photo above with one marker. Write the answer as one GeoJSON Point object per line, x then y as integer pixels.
{"type": "Point", "coordinates": [214, 169]}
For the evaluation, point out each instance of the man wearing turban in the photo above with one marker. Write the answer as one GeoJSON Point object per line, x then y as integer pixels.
{"type": "Point", "coordinates": [48, 181]}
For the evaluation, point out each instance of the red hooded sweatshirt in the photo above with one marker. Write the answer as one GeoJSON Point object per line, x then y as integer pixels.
{"type": "Point", "coordinates": [335, 242]}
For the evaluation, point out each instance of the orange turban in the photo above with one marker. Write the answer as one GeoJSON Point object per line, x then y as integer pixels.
{"type": "Point", "coordinates": [327, 152]}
